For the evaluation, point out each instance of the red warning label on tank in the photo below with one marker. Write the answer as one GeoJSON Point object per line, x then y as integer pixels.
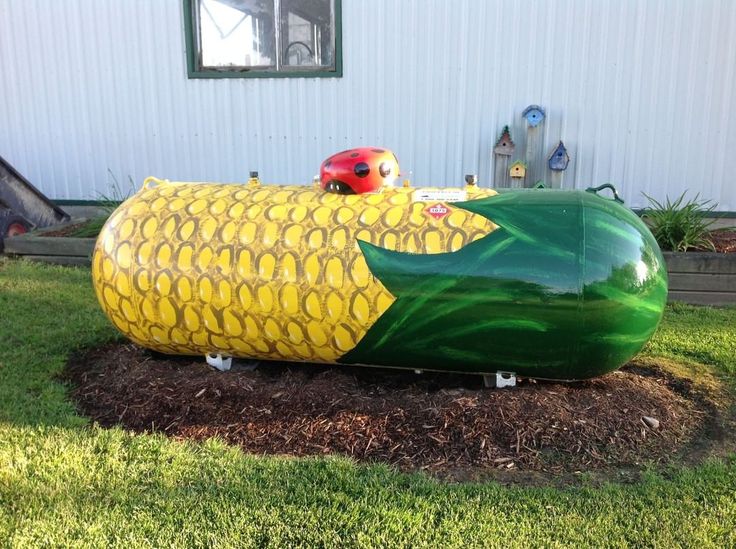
{"type": "Point", "coordinates": [437, 211]}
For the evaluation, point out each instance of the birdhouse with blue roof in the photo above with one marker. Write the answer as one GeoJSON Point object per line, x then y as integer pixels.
{"type": "Point", "coordinates": [518, 170]}
{"type": "Point", "coordinates": [504, 146]}
{"type": "Point", "coordinates": [534, 115]}
{"type": "Point", "coordinates": [559, 158]}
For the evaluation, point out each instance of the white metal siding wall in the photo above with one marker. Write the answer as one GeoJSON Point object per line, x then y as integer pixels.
{"type": "Point", "coordinates": [642, 93]}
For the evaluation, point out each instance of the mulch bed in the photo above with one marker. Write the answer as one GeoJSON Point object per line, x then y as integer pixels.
{"type": "Point", "coordinates": [442, 423]}
{"type": "Point", "coordinates": [66, 230]}
{"type": "Point", "coordinates": [724, 241]}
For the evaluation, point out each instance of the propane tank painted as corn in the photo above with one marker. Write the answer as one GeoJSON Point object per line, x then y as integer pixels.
{"type": "Point", "coordinates": [544, 283]}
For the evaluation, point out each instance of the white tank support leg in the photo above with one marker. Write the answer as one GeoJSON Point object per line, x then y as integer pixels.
{"type": "Point", "coordinates": [499, 380]}
{"type": "Point", "coordinates": [505, 379]}
{"type": "Point", "coordinates": [218, 361]}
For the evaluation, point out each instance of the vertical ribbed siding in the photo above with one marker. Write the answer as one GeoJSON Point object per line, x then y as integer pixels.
{"type": "Point", "coordinates": [641, 93]}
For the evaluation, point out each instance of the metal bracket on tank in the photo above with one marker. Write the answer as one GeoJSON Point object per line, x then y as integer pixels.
{"type": "Point", "coordinates": [218, 361]}
{"type": "Point", "coordinates": [500, 380]}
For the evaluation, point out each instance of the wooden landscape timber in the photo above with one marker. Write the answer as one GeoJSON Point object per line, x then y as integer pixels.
{"type": "Point", "coordinates": [701, 278]}
{"type": "Point", "coordinates": [51, 249]}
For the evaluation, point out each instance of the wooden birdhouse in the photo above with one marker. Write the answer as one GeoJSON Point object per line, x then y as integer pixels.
{"type": "Point", "coordinates": [534, 115]}
{"type": "Point", "coordinates": [559, 158]}
{"type": "Point", "coordinates": [518, 170]}
{"type": "Point", "coordinates": [504, 146]}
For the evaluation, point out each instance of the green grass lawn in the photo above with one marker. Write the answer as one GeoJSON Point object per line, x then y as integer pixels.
{"type": "Point", "coordinates": [64, 482]}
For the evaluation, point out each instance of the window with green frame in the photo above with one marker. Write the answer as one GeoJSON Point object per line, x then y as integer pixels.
{"type": "Point", "coordinates": [263, 38]}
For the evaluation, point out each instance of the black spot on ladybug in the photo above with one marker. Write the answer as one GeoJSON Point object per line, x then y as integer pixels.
{"type": "Point", "coordinates": [354, 155]}
{"type": "Point", "coordinates": [338, 187]}
{"type": "Point", "coordinates": [378, 150]}
{"type": "Point", "coordinates": [328, 164]}
{"type": "Point", "coordinates": [384, 169]}
{"type": "Point", "coordinates": [362, 169]}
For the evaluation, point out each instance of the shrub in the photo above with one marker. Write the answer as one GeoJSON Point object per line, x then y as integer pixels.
{"type": "Point", "coordinates": [680, 225]}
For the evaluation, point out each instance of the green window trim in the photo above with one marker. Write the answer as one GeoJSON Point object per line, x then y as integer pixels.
{"type": "Point", "coordinates": [193, 71]}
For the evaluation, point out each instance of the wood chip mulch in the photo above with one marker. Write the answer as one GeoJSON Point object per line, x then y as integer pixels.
{"type": "Point", "coordinates": [724, 241]}
{"type": "Point", "coordinates": [66, 230]}
{"type": "Point", "coordinates": [442, 423]}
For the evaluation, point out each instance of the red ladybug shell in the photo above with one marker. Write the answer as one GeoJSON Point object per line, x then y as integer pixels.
{"type": "Point", "coordinates": [358, 171]}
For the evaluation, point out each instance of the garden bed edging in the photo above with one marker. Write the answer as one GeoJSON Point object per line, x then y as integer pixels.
{"type": "Point", "coordinates": [701, 278]}
{"type": "Point", "coordinates": [51, 249]}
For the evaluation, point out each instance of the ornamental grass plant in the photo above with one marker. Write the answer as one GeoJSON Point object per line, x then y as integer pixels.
{"type": "Point", "coordinates": [680, 225]}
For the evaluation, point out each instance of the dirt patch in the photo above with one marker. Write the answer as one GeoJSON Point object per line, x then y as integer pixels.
{"type": "Point", "coordinates": [444, 423]}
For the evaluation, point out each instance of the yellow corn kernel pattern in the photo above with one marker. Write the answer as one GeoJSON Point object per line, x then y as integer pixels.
{"type": "Point", "coordinates": [263, 272]}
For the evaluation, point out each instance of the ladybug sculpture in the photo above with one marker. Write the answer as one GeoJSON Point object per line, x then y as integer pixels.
{"type": "Point", "coordinates": [358, 171]}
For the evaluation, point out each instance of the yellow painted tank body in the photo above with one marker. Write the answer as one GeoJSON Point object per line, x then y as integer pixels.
{"type": "Point", "coordinates": [271, 272]}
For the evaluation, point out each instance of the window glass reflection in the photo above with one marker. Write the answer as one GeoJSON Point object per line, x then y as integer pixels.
{"type": "Point", "coordinates": [307, 37]}
{"type": "Point", "coordinates": [237, 33]}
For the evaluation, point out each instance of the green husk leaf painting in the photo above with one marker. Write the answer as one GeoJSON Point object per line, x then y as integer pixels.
{"type": "Point", "coordinates": [568, 287]}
